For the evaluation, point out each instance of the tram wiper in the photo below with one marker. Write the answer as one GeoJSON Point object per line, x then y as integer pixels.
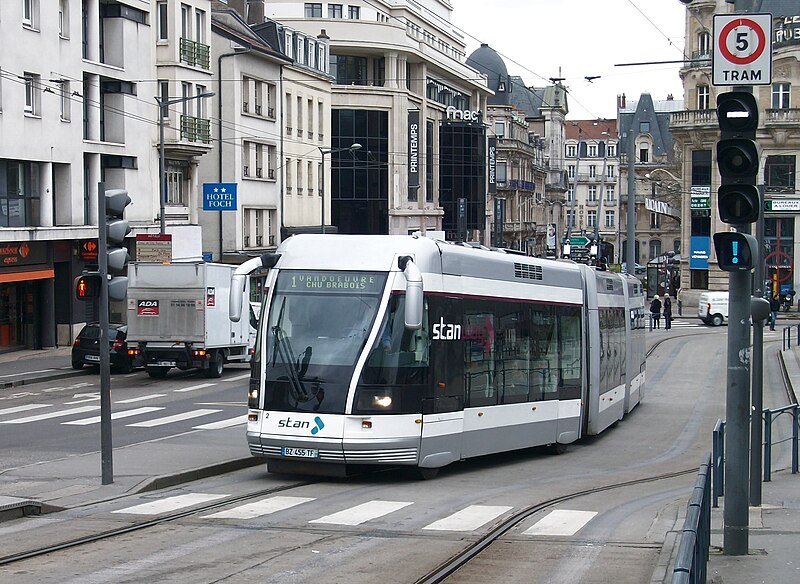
{"type": "Point", "coordinates": [284, 347]}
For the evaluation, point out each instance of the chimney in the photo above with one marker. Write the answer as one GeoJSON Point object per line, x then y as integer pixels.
{"type": "Point", "coordinates": [669, 97]}
{"type": "Point", "coordinates": [621, 101]}
{"type": "Point", "coordinates": [323, 35]}
{"type": "Point", "coordinates": [255, 11]}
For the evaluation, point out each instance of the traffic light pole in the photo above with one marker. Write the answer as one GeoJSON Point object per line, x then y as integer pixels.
{"type": "Point", "coordinates": [757, 389]}
{"type": "Point", "coordinates": [107, 465]}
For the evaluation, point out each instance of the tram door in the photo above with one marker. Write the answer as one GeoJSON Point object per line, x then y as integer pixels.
{"type": "Point", "coordinates": [443, 406]}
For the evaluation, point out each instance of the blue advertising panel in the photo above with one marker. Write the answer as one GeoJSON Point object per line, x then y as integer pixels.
{"type": "Point", "coordinates": [700, 252]}
{"type": "Point", "coordinates": [219, 196]}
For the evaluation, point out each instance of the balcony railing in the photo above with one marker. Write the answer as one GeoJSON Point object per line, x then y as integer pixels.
{"type": "Point", "coordinates": [195, 129]}
{"type": "Point", "coordinates": [707, 117]}
{"type": "Point", "coordinates": [782, 116]}
{"type": "Point", "coordinates": [195, 54]}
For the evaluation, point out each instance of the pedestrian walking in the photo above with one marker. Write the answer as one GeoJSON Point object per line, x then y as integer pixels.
{"type": "Point", "coordinates": [655, 312]}
{"type": "Point", "coordinates": [774, 307]}
{"type": "Point", "coordinates": [667, 312]}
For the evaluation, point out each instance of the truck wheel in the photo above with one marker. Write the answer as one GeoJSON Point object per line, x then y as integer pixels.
{"type": "Point", "coordinates": [716, 320]}
{"type": "Point", "coordinates": [157, 372]}
{"type": "Point", "coordinates": [216, 365]}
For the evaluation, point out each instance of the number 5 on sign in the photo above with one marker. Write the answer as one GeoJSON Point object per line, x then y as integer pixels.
{"type": "Point", "coordinates": [742, 49]}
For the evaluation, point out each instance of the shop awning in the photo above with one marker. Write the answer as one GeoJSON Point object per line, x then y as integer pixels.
{"type": "Point", "coordinates": [23, 276]}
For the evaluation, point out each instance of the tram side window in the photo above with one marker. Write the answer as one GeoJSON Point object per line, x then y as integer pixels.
{"type": "Point", "coordinates": [513, 353]}
{"type": "Point", "coordinates": [544, 354]}
{"type": "Point", "coordinates": [479, 358]}
{"type": "Point", "coordinates": [569, 352]}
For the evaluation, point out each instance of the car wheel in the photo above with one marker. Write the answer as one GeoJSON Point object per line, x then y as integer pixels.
{"type": "Point", "coordinates": [125, 367]}
{"type": "Point", "coordinates": [157, 372]}
{"type": "Point", "coordinates": [215, 367]}
{"type": "Point", "coordinates": [77, 364]}
{"type": "Point", "coordinates": [716, 320]}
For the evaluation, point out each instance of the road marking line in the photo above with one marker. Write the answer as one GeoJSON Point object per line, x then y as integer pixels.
{"type": "Point", "coordinates": [238, 377]}
{"type": "Point", "coordinates": [138, 399]}
{"type": "Point", "coordinates": [560, 522]}
{"type": "Point", "coordinates": [114, 416]}
{"type": "Point", "coordinates": [194, 387]}
{"type": "Point", "coordinates": [171, 419]}
{"type": "Point", "coordinates": [170, 504]}
{"type": "Point", "coordinates": [26, 373]}
{"type": "Point", "coordinates": [17, 409]}
{"type": "Point", "coordinates": [57, 414]}
{"type": "Point", "coordinates": [259, 508]}
{"type": "Point", "coordinates": [469, 518]}
{"type": "Point", "coordinates": [361, 513]}
{"type": "Point", "coordinates": [238, 420]}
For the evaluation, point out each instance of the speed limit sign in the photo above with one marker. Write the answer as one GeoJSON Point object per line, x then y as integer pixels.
{"type": "Point", "coordinates": [742, 49]}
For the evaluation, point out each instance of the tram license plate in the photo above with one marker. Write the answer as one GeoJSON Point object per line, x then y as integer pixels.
{"type": "Point", "coordinates": [166, 363]}
{"type": "Point", "coordinates": [300, 452]}
{"type": "Point", "coordinates": [92, 357]}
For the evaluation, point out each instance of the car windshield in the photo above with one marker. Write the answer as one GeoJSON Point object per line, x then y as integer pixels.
{"type": "Point", "coordinates": [317, 325]}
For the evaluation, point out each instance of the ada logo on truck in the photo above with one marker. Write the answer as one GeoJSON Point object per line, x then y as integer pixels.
{"type": "Point", "coordinates": [147, 308]}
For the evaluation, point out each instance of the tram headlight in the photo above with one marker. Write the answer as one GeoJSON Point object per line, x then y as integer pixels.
{"type": "Point", "coordinates": [376, 400]}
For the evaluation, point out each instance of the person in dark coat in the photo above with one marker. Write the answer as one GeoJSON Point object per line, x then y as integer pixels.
{"type": "Point", "coordinates": [655, 311]}
{"type": "Point", "coordinates": [774, 307]}
{"type": "Point", "coordinates": [667, 312]}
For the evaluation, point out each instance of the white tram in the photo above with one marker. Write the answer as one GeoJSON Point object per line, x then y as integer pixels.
{"type": "Point", "coordinates": [403, 350]}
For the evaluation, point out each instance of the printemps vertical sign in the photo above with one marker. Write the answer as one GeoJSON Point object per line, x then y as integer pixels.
{"type": "Point", "coordinates": [413, 153]}
{"type": "Point", "coordinates": [491, 159]}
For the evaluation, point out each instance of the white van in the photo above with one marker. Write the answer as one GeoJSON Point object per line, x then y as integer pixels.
{"type": "Point", "coordinates": [712, 308]}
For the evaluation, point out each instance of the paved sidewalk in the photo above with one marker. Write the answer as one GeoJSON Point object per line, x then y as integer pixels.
{"type": "Point", "coordinates": [32, 366]}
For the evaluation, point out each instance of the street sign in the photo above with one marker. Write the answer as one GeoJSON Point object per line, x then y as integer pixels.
{"type": "Point", "coordinates": [578, 241]}
{"type": "Point", "coordinates": [742, 49]}
{"type": "Point", "coordinates": [154, 247]}
{"type": "Point", "coordinates": [219, 196]}
{"type": "Point", "coordinates": [88, 250]}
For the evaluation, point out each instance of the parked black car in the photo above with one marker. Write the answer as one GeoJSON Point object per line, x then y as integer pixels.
{"type": "Point", "coordinates": [86, 348]}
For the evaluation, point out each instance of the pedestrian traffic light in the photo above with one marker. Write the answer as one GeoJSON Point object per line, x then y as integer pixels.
{"type": "Point", "coordinates": [116, 228]}
{"type": "Point", "coordinates": [738, 156]}
{"type": "Point", "coordinates": [736, 252]}
{"type": "Point", "coordinates": [87, 286]}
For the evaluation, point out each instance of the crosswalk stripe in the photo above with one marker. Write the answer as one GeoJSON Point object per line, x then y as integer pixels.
{"type": "Point", "coordinates": [171, 419]}
{"type": "Point", "coordinates": [138, 399]}
{"type": "Point", "coordinates": [468, 519]}
{"type": "Point", "coordinates": [361, 513]}
{"type": "Point", "coordinates": [194, 387]}
{"type": "Point", "coordinates": [17, 409]}
{"type": "Point", "coordinates": [170, 504]}
{"type": "Point", "coordinates": [114, 416]}
{"type": "Point", "coordinates": [560, 522]}
{"type": "Point", "coordinates": [49, 415]}
{"type": "Point", "coordinates": [238, 420]}
{"type": "Point", "coordinates": [259, 508]}
{"type": "Point", "coordinates": [238, 377]}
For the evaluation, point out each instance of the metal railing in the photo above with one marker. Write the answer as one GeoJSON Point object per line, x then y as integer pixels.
{"type": "Point", "coordinates": [769, 416]}
{"type": "Point", "coordinates": [786, 336]}
{"type": "Point", "coordinates": [691, 561]}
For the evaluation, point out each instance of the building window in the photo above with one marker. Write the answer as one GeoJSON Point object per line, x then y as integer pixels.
{"type": "Point", "coordinates": [163, 22]}
{"type": "Point", "coordinates": [570, 218]}
{"type": "Point", "coordinates": [591, 219]}
{"type": "Point", "coordinates": [592, 152]}
{"type": "Point", "coordinates": [571, 171]}
{"type": "Point", "coordinates": [186, 23]}
{"type": "Point", "coordinates": [349, 70]}
{"type": "Point", "coordinates": [501, 172]}
{"type": "Point", "coordinates": [353, 12]}
{"type": "Point", "coordinates": [335, 11]}
{"type": "Point", "coordinates": [779, 173]}
{"type": "Point", "coordinates": [655, 248]}
{"type": "Point", "coordinates": [176, 194]}
{"type": "Point", "coordinates": [609, 194]}
{"type": "Point", "coordinates": [592, 194]}
{"type": "Point", "coordinates": [780, 95]}
{"type": "Point", "coordinates": [609, 219]}
{"type": "Point", "coordinates": [500, 129]}
{"type": "Point", "coordinates": [703, 43]}
{"type": "Point", "coordinates": [30, 9]}
{"type": "Point", "coordinates": [66, 102]}
{"type": "Point", "coordinates": [611, 151]}
{"type": "Point", "coordinates": [703, 97]}
{"type": "Point", "coordinates": [592, 171]}
{"type": "Point", "coordinates": [609, 171]}
{"type": "Point", "coordinates": [313, 10]}
{"type": "Point", "coordinates": [19, 194]}
{"type": "Point", "coordinates": [655, 223]}
{"type": "Point", "coordinates": [33, 88]}
{"type": "Point", "coordinates": [63, 18]}
{"type": "Point", "coordinates": [644, 127]}
{"type": "Point", "coordinates": [570, 194]}
{"type": "Point", "coordinates": [572, 150]}
{"type": "Point", "coordinates": [644, 154]}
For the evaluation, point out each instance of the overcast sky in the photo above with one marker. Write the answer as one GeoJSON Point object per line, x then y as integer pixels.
{"type": "Point", "coordinates": [539, 39]}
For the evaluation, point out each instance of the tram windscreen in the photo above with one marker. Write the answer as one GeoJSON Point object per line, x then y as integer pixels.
{"type": "Point", "coordinates": [317, 326]}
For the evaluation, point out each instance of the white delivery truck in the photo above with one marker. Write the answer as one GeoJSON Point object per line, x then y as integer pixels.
{"type": "Point", "coordinates": [178, 317]}
{"type": "Point", "coordinates": [712, 308]}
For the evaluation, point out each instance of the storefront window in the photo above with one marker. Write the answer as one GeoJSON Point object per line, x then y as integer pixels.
{"type": "Point", "coordinates": [19, 194]}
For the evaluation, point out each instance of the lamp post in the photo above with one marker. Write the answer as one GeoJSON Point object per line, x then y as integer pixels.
{"type": "Point", "coordinates": [163, 110]}
{"type": "Point", "coordinates": [323, 152]}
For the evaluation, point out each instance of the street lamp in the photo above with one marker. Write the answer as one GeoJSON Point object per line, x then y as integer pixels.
{"type": "Point", "coordinates": [163, 111]}
{"type": "Point", "coordinates": [323, 152]}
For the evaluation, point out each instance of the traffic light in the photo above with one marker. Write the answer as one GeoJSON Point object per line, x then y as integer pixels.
{"type": "Point", "coordinates": [738, 155]}
{"type": "Point", "coordinates": [735, 251]}
{"type": "Point", "coordinates": [738, 198]}
{"type": "Point", "coordinates": [87, 286]}
{"type": "Point", "coordinates": [116, 228]}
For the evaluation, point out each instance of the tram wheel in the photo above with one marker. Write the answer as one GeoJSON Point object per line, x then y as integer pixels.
{"type": "Point", "coordinates": [558, 448]}
{"type": "Point", "coordinates": [427, 474]}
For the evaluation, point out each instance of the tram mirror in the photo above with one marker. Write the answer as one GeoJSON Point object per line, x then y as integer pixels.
{"type": "Point", "coordinates": [759, 308]}
{"type": "Point", "coordinates": [413, 303]}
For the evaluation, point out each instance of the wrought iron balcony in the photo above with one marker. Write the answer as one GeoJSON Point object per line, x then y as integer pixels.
{"type": "Point", "coordinates": [195, 129]}
{"type": "Point", "coordinates": [195, 54]}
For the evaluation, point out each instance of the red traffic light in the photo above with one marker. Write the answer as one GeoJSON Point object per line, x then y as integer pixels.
{"type": "Point", "coordinates": [87, 287]}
